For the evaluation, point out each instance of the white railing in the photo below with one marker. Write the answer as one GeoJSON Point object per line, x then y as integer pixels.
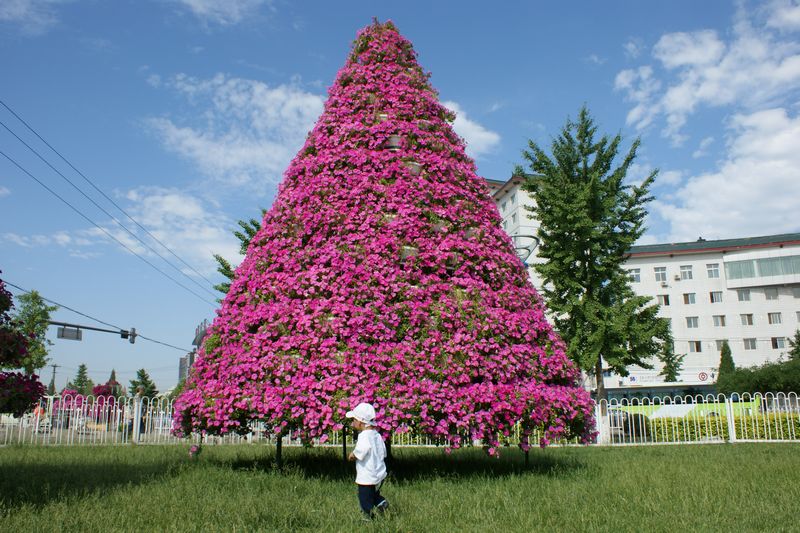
{"type": "Point", "coordinates": [699, 419]}
{"type": "Point", "coordinates": [660, 420]}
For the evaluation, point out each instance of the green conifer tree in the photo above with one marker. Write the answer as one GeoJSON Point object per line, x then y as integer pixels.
{"type": "Point", "coordinates": [143, 380]}
{"type": "Point", "coordinates": [589, 217]}
{"type": "Point", "coordinates": [727, 370]}
{"type": "Point", "coordinates": [81, 383]}
{"type": "Point", "coordinates": [672, 362]}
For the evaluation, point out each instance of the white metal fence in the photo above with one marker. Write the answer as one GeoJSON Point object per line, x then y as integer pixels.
{"type": "Point", "coordinates": [660, 420]}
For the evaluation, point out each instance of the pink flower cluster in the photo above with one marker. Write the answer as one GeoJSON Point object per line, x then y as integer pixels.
{"type": "Point", "coordinates": [18, 392]}
{"type": "Point", "coordinates": [381, 274]}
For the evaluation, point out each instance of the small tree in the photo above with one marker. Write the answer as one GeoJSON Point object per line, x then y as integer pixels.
{"type": "Point", "coordinates": [589, 217]}
{"type": "Point", "coordinates": [672, 362]}
{"type": "Point", "coordinates": [115, 386]}
{"type": "Point", "coordinates": [727, 370]}
{"type": "Point", "coordinates": [794, 344]}
{"type": "Point", "coordinates": [81, 383]}
{"type": "Point", "coordinates": [249, 229]}
{"type": "Point", "coordinates": [32, 320]}
{"type": "Point", "coordinates": [143, 380]}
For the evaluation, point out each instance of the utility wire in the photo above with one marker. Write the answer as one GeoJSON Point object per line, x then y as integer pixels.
{"type": "Point", "coordinates": [120, 224]}
{"type": "Point", "coordinates": [51, 191]}
{"type": "Point", "coordinates": [138, 335]}
{"type": "Point", "coordinates": [81, 174]}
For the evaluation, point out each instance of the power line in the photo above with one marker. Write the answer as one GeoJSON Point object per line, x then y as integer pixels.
{"type": "Point", "coordinates": [139, 335]}
{"type": "Point", "coordinates": [51, 191]}
{"type": "Point", "coordinates": [81, 174]}
{"type": "Point", "coordinates": [120, 224]}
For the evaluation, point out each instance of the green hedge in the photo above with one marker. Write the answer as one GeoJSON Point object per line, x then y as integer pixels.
{"type": "Point", "coordinates": [773, 426]}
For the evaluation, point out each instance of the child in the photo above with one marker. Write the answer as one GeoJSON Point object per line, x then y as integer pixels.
{"type": "Point", "coordinates": [369, 454]}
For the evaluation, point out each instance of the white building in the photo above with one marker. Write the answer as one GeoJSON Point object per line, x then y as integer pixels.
{"type": "Point", "coordinates": [745, 291]}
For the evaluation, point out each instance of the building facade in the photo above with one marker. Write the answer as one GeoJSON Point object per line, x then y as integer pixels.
{"type": "Point", "coordinates": [745, 291]}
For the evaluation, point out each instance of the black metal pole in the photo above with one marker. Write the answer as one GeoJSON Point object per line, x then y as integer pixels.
{"type": "Point", "coordinates": [344, 444]}
{"type": "Point", "coordinates": [278, 451]}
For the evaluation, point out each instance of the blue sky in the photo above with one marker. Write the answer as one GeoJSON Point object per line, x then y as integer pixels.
{"type": "Point", "coordinates": [186, 113]}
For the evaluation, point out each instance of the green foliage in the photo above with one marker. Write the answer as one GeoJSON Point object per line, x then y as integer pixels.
{"type": "Point", "coordinates": [589, 219]}
{"type": "Point", "coordinates": [177, 390]}
{"type": "Point", "coordinates": [672, 362]}
{"type": "Point", "coordinates": [143, 380]}
{"type": "Point", "coordinates": [727, 368]}
{"type": "Point", "coordinates": [32, 320]}
{"type": "Point", "coordinates": [249, 230]}
{"type": "Point", "coordinates": [115, 386]}
{"type": "Point", "coordinates": [761, 426]}
{"type": "Point", "coordinates": [794, 344]}
{"type": "Point", "coordinates": [778, 376]}
{"type": "Point", "coordinates": [82, 383]}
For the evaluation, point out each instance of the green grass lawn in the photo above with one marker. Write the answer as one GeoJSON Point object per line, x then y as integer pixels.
{"type": "Point", "coordinates": [742, 487]}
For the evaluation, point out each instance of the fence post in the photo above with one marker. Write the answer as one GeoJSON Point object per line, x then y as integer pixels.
{"type": "Point", "coordinates": [600, 424]}
{"type": "Point", "coordinates": [137, 417]}
{"type": "Point", "coordinates": [731, 421]}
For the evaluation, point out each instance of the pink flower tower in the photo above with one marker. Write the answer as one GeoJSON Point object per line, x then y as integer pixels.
{"type": "Point", "coordinates": [381, 274]}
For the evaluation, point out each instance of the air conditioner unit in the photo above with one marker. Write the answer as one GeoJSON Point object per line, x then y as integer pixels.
{"type": "Point", "coordinates": [664, 284]}
{"type": "Point", "coordinates": [677, 277]}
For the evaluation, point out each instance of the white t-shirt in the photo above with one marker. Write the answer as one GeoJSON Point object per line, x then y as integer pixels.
{"type": "Point", "coordinates": [370, 452]}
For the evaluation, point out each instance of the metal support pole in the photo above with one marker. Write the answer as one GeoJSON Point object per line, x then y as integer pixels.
{"type": "Point", "coordinates": [279, 451]}
{"type": "Point", "coordinates": [344, 444]}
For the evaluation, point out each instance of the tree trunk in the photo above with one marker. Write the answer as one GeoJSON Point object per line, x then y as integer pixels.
{"type": "Point", "coordinates": [278, 450]}
{"type": "Point", "coordinates": [602, 394]}
{"type": "Point", "coordinates": [344, 444]}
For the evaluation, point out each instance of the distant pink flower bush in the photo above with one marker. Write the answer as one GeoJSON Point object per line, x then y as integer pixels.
{"type": "Point", "coordinates": [381, 274]}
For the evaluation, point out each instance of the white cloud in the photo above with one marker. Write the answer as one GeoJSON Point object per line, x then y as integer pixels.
{"type": "Point", "coordinates": [4, 191]}
{"type": "Point", "coordinates": [154, 80]}
{"type": "Point", "coordinates": [186, 224]}
{"type": "Point", "coordinates": [595, 59]}
{"type": "Point", "coordinates": [754, 191]}
{"type": "Point", "coordinates": [756, 67]}
{"type": "Point", "coordinates": [785, 15]}
{"type": "Point", "coordinates": [223, 12]}
{"type": "Point", "coordinates": [633, 48]}
{"type": "Point", "coordinates": [33, 17]}
{"type": "Point", "coordinates": [479, 140]}
{"type": "Point", "coordinates": [702, 149]}
{"type": "Point", "coordinates": [669, 177]}
{"type": "Point", "coordinates": [249, 131]}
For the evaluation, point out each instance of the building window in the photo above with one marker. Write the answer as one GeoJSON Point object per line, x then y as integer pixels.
{"type": "Point", "coordinates": [796, 292]}
{"type": "Point", "coordinates": [713, 270]}
{"type": "Point", "coordinates": [688, 298]}
{"type": "Point", "coordinates": [634, 275]}
{"type": "Point", "coordinates": [663, 299]}
{"type": "Point", "coordinates": [720, 342]}
{"type": "Point", "coordinates": [695, 346]}
{"type": "Point", "coordinates": [661, 274]}
{"type": "Point", "coordinates": [747, 319]}
{"type": "Point", "coordinates": [744, 295]}
{"type": "Point", "coordinates": [719, 321]}
{"type": "Point", "coordinates": [771, 293]}
{"type": "Point", "coordinates": [778, 343]}
{"type": "Point", "coordinates": [513, 199]}
{"type": "Point", "coordinates": [686, 271]}
{"type": "Point", "coordinates": [798, 315]}
{"type": "Point", "coordinates": [691, 322]}
{"type": "Point", "coordinates": [514, 218]}
{"type": "Point", "coordinates": [774, 318]}
{"type": "Point", "coordinates": [749, 344]}
{"type": "Point", "coordinates": [505, 225]}
{"type": "Point", "coordinates": [505, 205]}
{"type": "Point", "coordinates": [715, 296]}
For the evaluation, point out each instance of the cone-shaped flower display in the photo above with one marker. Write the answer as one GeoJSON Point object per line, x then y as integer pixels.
{"type": "Point", "coordinates": [381, 274]}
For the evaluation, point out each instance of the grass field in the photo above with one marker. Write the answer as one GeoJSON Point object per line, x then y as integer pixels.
{"type": "Point", "coordinates": [742, 487]}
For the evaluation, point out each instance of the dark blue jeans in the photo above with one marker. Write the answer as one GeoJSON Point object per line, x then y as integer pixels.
{"type": "Point", "coordinates": [369, 496]}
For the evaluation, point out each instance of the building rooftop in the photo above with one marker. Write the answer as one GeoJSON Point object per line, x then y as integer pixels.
{"type": "Point", "coordinates": [723, 245]}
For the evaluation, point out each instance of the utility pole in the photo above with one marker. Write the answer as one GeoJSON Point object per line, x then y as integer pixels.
{"type": "Point", "coordinates": [53, 379]}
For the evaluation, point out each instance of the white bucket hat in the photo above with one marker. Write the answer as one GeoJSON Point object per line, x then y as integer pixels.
{"type": "Point", "coordinates": [363, 412]}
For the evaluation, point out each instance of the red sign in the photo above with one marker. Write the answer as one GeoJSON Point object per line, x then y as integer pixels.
{"type": "Point", "coordinates": [703, 376]}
